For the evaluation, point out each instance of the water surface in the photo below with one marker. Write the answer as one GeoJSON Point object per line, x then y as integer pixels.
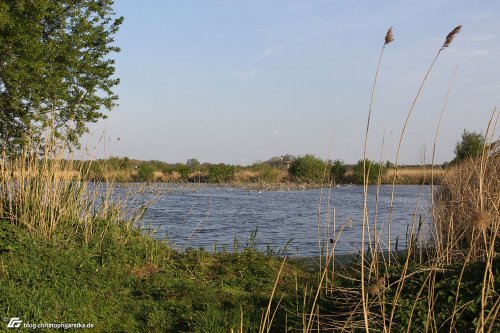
{"type": "Point", "coordinates": [219, 217]}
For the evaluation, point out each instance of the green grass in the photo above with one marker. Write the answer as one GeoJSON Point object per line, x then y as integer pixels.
{"type": "Point", "coordinates": [128, 282]}
{"type": "Point", "coordinates": [125, 281]}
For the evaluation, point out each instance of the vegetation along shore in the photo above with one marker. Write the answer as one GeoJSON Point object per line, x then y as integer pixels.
{"type": "Point", "coordinates": [296, 173]}
{"type": "Point", "coordinates": [73, 253]}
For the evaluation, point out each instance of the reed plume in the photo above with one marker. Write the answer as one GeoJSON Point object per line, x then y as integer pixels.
{"type": "Point", "coordinates": [389, 38]}
{"type": "Point", "coordinates": [451, 36]}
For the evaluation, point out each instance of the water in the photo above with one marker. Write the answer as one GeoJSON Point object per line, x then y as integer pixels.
{"type": "Point", "coordinates": [213, 217]}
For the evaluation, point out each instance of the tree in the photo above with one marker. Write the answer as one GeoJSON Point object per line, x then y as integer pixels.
{"type": "Point", "coordinates": [338, 170]}
{"type": "Point", "coordinates": [373, 169]}
{"type": "Point", "coordinates": [55, 72]}
{"type": "Point", "coordinates": [308, 168]}
{"type": "Point", "coordinates": [193, 164]}
{"type": "Point", "coordinates": [145, 172]}
{"type": "Point", "coordinates": [470, 146]}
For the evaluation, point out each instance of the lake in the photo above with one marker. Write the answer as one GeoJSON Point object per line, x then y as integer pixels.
{"type": "Point", "coordinates": [213, 217]}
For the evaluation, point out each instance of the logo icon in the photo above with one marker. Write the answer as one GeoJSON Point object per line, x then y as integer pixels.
{"type": "Point", "coordinates": [14, 323]}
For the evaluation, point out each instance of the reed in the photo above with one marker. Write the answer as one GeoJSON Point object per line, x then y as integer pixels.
{"type": "Point", "coordinates": [447, 42]}
{"type": "Point", "coordinates": [456, 268]}
{"type": "Point", "coordinates": [389, 38]}
{"type": "Point", "coordinates": [49, 196]}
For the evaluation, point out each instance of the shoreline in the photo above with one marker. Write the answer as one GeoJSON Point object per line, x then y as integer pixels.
{"type": "Point", "coordinates": [292, 186]}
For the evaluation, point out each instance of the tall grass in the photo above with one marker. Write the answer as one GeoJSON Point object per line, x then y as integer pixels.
{"type": "Point", "coordinates": [443, 283]}
{"type": "Point", "coordinates": [48, 195]}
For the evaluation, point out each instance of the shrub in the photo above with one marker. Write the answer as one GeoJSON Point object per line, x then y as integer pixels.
{"type": "Point", "coordinates": [338, 170]}
{"type": "Point", "coordinates": [372, 171]}
{"type": "Point", "coordinates": [470, 146]}
{"type": "Point", "coordinates": [145, 173]}
{"type": "Point", "coordinates": [117, 163]}
{"type": "Point", "coordinates": [178, 169]}
{"type": "Point", "coordinates": [220, 173]}
{"type": "Point", "coordinates": [308, 168]}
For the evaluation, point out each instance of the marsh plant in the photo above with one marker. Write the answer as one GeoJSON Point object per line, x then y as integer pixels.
{"type": "Point", "coordinates": [447, 282]}
{"type": "Point", "coordinates": [47, 195]}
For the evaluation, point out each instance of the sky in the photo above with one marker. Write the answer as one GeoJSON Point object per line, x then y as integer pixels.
{"type": "Point", "coordinates": [242, 81]}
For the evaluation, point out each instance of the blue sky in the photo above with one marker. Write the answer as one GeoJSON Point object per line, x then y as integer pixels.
{"type": "Point", "coordinates": [242, 81]}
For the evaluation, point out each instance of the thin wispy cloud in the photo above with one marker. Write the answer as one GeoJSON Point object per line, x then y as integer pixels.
{"type": "Point", "coordinates": [470, 53]}
{"type": "Point", "coordinates": [245, 74]}
{"type": "Point", "coordinates": [269, 52]}
{"type": "Point", "coordinates": [480, 38]}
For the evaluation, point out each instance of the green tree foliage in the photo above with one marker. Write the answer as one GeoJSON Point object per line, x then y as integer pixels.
{"type": "Point", "coordinates": [470, 146]}
{"type": "Point", "coordinates": [308, 168]}
{"type": "Point", "coordinates": [183, 169]}
{"type": "Point", "coordinates": [55, 70]}
{"type": "Point", "coordinates": [145, 172]}
{"type": "Point", "coordinates": [373, 169]}
{"type": "Point", "coordinates": [338, 170]}
{"type": "Point", "coordinates": [220, 173]}
{"type": "Point", "coordinates": [193, 164]}
{"type": "Point", "coordinates": [117, 163]}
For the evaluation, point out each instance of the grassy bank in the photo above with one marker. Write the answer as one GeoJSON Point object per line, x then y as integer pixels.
{"type": "Point", "coordinates": [90, 263]}
{"type": "Point", "coordinates": [127, 282]}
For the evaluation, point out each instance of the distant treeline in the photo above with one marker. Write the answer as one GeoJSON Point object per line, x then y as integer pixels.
{"type": "Point", "coordinates": [306, 169]}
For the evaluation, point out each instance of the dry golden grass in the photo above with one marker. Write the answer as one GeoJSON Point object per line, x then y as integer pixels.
{"type": "Point", "coordinates": [247, 176]}
{"type": "Point", "coordinates": [467, 205]}
{"type": "Point", "coordinates": [44, 195]}
{"type": "Point", "coordinates": [60, 174]}
{"type": "Point", "coordinates": [119, 175]}
{"type": "Point", "coordinates": [413, 175]}
{"type": "Point", "coordinates": [172, 176]}
{"type": "Point", "coordinates": [196, 177]}
{"type": "Point", "coordinates": [158, 175]}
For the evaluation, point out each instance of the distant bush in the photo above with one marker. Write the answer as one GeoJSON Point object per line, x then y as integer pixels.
{"type": "Point", "coordinates": [373, 169]}
{"type": "Point", "coordinates": [117, 163]}
{"type": "Point", "coordinates": [470, 146]}
{"type": "Point", "coordinates": [145, 172]}
{"type": "Point", "coordinates": [337, 171]}
{"type": "Point", "coordinates": [178, 168]}
{"type": "Point", "coordinates": [220, 173]}
{"type": "Point", "coordinates": [308, 168]}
